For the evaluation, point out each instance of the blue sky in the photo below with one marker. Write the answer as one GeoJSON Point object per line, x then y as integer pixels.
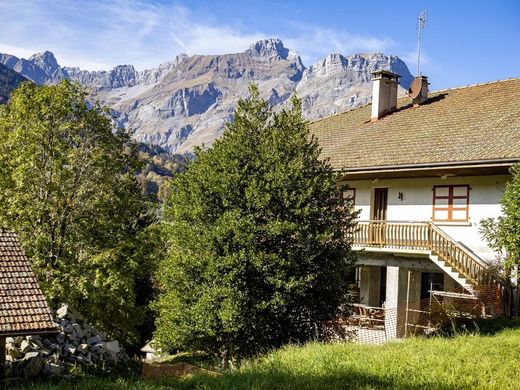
{"type": "Point", "coordinates": [464, 42]}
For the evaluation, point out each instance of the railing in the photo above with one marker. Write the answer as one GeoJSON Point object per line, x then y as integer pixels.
{"type": "Point", "coordinates": [422, 236]}
{"type": "Point", "coordinates": [388, 234]}
{"type": "Point", "coordinates": [459, 257]}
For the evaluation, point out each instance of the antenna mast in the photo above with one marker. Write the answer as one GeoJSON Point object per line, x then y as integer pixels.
{"type": "Point", "coordinates": [421, 23]}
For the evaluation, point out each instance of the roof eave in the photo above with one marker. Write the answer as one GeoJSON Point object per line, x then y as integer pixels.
{"type": "Point", "coordinates": [426, 168]}
{"type": "Point", "coordinates": [30, 332]}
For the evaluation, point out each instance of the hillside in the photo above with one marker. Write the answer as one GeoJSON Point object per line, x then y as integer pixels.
{"type": "Point", "coordinates": [464, 362]}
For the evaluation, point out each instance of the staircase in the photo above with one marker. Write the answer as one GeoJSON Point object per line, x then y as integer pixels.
{"type": "Point", "coordinates": [463, 266]}
{"type": "Point", "coordinates": [461, 280]}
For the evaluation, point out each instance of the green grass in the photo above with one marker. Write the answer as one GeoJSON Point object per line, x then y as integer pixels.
{"type": "Point", "coordinates": [462, 362]}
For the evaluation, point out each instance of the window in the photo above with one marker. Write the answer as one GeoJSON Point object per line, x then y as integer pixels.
{"type": "Point", "coordinates": [451, 203]}
{"type": "Point", "coordinates": [349, 195]}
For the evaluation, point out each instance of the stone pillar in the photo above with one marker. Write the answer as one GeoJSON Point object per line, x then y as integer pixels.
{"type": "Point", "coordinates": [414, 302]}
{"type": "Point", "coordinates": [395, 304]}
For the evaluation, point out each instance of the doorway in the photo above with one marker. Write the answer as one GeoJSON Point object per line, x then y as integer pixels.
{"type": "Point", "coordinates": [380, 204]}
{"type": "Point", "coordinates": [431, 281]}
{"type": "Point", "coordinates": [378, 216]}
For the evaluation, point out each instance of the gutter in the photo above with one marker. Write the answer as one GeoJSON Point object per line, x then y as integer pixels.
{"type": "Point", "coordinates": [431, 166]}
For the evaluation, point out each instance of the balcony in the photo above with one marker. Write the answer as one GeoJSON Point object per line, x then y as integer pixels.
{"type": "Point", "coordinates": [422, 237]}
{"type": "Point", "coordinates": [392, 235]}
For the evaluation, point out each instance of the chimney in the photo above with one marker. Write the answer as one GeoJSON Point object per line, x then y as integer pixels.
{"type": "Point", "coordinates": [384, 93]}
{"type": "Point", "coordinates": [418, 91]}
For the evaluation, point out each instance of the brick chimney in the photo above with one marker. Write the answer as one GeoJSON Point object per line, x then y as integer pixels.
{"type": "Point", "coordinates": [384, 93]}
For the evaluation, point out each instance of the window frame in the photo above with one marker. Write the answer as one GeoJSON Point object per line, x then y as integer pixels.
{"type": "Point", "coordinates": [352, 198]}
{"type": "Point", "coordinates": [450, 207]}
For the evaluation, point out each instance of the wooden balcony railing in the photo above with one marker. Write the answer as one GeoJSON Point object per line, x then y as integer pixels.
{"type": "Point", "coordinates": [422, 236]}
{"type": "Point", "coordinates": [387, 234]}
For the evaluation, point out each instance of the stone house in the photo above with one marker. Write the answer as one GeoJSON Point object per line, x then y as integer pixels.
{"type": "Point", "coordinates": [23, 308]}
{"type": "Point", "coordinates": [423, 171]}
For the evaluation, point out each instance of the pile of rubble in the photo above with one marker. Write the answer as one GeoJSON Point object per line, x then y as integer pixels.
{"type": "Point", "coordinates": [77, 345]}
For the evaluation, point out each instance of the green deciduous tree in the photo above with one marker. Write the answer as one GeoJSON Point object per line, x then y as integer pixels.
{"type": "Point", "coordinates": [68, 187]}
{"type": "Point", "coordinates": [258, 254]}
{"type": "Point", "coordinates": [503, 233]}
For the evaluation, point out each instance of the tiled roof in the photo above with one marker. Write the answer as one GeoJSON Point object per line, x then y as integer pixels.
{"type": "Point", "coordinates": [23, 309]}
{"type": "Point", "coordinates": [474, 123]}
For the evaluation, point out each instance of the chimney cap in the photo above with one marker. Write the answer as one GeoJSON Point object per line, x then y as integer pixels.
{"type": "Point", "coordinates": [386, 74]}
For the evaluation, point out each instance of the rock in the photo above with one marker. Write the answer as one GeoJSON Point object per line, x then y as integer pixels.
{"type": "Point", "coordinates": [35, 340]}
{"type": "Point", "coordinates": [53, 369]}
{"type": "Point", "coordinates": [65, 311]}
{"type": "Point", "coordinates": [13, 353]}
{"type": "Point", "coordinates": [83, 348]}
{"type": "Point", "coordinates": [113, 349]}
{"type": "Point", "coordinates": [77, 330]}
{"type": "Point", "coordinates": [94, 340]}
{"type": "Point", "coordinates": [100, 348]}
{"type": "Point", "coordinates": [62, 312]}
{"type": "Point", "coordinates": [87, 329]}
{"type": "Point", "coordinates": [26, 346]}
{"type": "Point", "coordinates": [34, 365]}
{"type": "Point", "coordinates": [76, 345]}
{"type": "Point", "coordinates": [113, 346]}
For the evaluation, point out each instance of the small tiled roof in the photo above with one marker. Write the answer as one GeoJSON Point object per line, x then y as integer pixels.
{"type": "Point", "coordinates": [23, 309]}
{"type": "Point", "coordinates": [474, 123]}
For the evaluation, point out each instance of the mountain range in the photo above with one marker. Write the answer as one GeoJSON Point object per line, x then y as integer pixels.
{"type": "Point", "coordinates": [186, 102]}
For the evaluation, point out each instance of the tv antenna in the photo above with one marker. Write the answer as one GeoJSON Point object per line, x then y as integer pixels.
{"type": "Point", "coordinates": [421, 23]}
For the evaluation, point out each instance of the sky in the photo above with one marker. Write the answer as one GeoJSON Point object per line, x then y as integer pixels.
{"type": "Point", "coordinates": [464, 42]}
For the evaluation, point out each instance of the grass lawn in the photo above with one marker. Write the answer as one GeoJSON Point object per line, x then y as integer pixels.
{"type": "Point", "coordinates": [462, 362]}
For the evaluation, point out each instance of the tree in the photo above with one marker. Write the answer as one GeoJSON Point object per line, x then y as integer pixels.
{"type": "Point", "coordinates": [258, 254]}
{"type": "Point", "coordinates": [68, 188]}
{"type": "Point", "coordinates": [503, 233]}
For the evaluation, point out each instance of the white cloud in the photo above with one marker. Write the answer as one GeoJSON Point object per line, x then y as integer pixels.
{"type": "Point", "coordinates": [16, 51]}
{"type": "Point", "coordinates": [317, 42]}
{"type": "Point", "coordinates": [100, 34]}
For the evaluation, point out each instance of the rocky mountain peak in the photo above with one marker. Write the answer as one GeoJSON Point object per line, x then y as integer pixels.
{"type": "Point", "coordinates": [270, 47]}
{"type": "Point", "coordinates": [185, 102]}
{"type": "Point", "coordinates": [180, 57]}
{"type": "Point", "coordinates": [46, 61]}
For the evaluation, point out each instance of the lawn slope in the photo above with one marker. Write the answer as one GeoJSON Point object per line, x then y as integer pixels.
{"type": "Point", "coordinates": [462, 362]}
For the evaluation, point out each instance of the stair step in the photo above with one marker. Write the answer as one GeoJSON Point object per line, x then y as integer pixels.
{"type": "Point", "coordinates": [454, 274]}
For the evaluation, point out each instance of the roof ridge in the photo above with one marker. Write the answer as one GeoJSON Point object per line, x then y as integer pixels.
{"type": "Point", "coordinates": [476, 84]}
{"type": "Point", "coordinates": [407, 97]}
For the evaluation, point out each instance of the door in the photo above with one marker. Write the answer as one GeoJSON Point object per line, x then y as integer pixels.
{"type": "Point", "coordinates": [378, 215]}
{"type": "Point", "coordinates": [380, 204]}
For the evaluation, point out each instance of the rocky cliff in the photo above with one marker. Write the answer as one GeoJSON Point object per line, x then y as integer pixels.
{"type": "Point", "coordinates": [9, 80]}
{"type": "Point", "coordinates": [186, 102]}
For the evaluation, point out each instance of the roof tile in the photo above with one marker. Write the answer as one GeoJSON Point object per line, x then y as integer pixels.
{"type": "Point", "coordinates": [23, 307]}
{"type": "Point", "coordinates": [474, 123]}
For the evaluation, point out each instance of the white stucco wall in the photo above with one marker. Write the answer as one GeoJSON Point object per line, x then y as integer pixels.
{"type": "Point", "coordinates": [416, 205]}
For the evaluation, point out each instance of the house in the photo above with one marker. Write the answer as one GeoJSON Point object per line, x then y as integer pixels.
{"type": "Point", "coordinates": [423, 173]}
{"type": "Point", "coordinates": [23, 308]}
